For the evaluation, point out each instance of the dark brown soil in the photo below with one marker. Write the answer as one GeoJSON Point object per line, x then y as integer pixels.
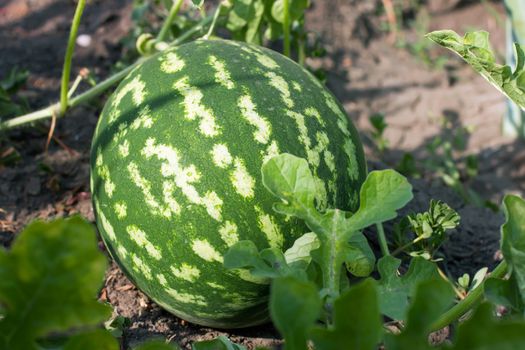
{"type": "Point", "coordinates": [148, 320]}
{"type": "Point", "coordinates": [367, 73]}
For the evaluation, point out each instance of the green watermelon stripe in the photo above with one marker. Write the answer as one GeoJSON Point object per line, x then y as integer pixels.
{"type": "Point", "coordinates": [140, 266]}
{"type": "Point", "coordinates": [106, 225]}
{"type": "Point", "coordinates": [263, 59]}
{"type": "Point", "coordinates": [145, 186]}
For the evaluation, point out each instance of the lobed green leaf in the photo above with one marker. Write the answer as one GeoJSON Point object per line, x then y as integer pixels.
{"type": "Point", "coordinates": [294, 307]}
{"type": "Point", "coordinates": [394, 291]}
{"type": "Point", "coordinates": [357, 321]}
{"type": "Point", "coordinates": [297, 8]}
{"type": "Point", "coordinates": [513, 249]}
{"type": "Point", "coordinates": [97, 339]}
{"type": "Point", "coordinates": [156, 345]}
{"type": "Point", "coordinates": [49, 281]}
{"type": "Point", "coordinates": [431, 299]}
{"type": "Point", "coordinates": [382, 194]}
{"type": "Point", "coordinates": [474, 48]}
{"type": "Point", "coordinates": [288, 177]}
{"type": "Point", "coordinates": [299, 252]}
{"type": "Point", "coordinates": [241, 13]}
{"type": "Point", "coordinates": [219, 343]}
{"type": "Point", "coordinates": [266, 264]}
{"type": "Point", "coordinates": [482, 331]}
{"type": "Point", "coordinates": [359, 257]}
{"type": "Point", "coordinates": [505, 293]}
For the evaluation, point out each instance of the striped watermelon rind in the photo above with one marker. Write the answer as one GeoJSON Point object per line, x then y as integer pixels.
{"type": "Point", "coordinates": [175, 171]}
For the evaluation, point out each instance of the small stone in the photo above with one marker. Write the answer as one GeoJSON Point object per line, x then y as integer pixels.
{"type": "Point", "coordinates": [84, 40]}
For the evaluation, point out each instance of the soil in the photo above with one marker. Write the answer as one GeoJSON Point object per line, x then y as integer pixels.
{"type": "Point", "coordinates": [366, 71]}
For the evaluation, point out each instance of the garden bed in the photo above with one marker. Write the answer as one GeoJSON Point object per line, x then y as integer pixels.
{"type": "Point", "coordinates": [365, 71]}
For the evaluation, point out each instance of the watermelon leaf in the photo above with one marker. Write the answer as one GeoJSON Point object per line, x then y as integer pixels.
{"type": "Point", "coordinates": [505, 293]}
{"type": "Point", "coordinates": [294, 307]}
{"type": "Point", "coordinates": [475, 49]}
{"type": "Point", "coordinates": [97, 339]}
{"type": "Point", "coordinates": [116, 325]}
{"type": "Point", "coordinates": [156, 345]}
{"type": "Point", "coordinates": [241, 13]}
{"type": "Point", "coordinates": [431, 299]}
{"type": "Point", "coordinates": [297, 8]}
{"type": "Point", "coordinates": [269, 263]}
{"type": "Point", "coordinates": [244, 20]}
{"type": "Point", "coordinates": [513, 249]}
{"type": "Point", "coordinates": [49, 281]}
{"type": "Point", "coordinates": [289, 178]}
{"type": "Point", "coordinates": [430, 228]}
{"type": "Point", "coordinates": [357, 321]}
{"type": "Point", "coordinates": [219, 343]}
{"type": "Point", "coordinates": [299, 253]}
{"type": "Point", "coordinates": [394, 291]}
{"type": "Point", "coordinates": [382, 193]}
{"type": "Point", "coordinates": [483, 331]}
{"type": "Point", "coordinates": [253, 35]}
{"type": "Point", "coordinates": [359, 258]}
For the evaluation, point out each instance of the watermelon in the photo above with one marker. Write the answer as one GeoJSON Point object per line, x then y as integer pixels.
{"type": "Point", "coordinates": [176, 179]}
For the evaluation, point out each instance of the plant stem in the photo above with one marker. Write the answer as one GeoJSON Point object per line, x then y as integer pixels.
{"type": "Point", "coordinates": [74, 87]}
{"type": "Point", "coordinates": [409, 244]}
{"type": "Point", "coordinates": [466, 304]}
{"type": "Point", "coordinates": [95, 90]}
{"type": "Point", "coordinates": [331, 259]}
{"type": "Point", "coordinates": [302, 54]}
{"type": "Point", "coordinates": [66, 71]}
{"type": "Point", "coordinates": [169, 20]}
{"type": "Point", "coordinates": [446, 279]}
{"type": "Point", "coordinates": [80, 99]}
{"type": "Point", "coordinates": [331, 271]}
{"type": "Point", "coordinates": [286, 27]}
{"type": "Point", "coordinates": [382, 239]}
{"type": "Point", "coordinates": [213, 22]}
